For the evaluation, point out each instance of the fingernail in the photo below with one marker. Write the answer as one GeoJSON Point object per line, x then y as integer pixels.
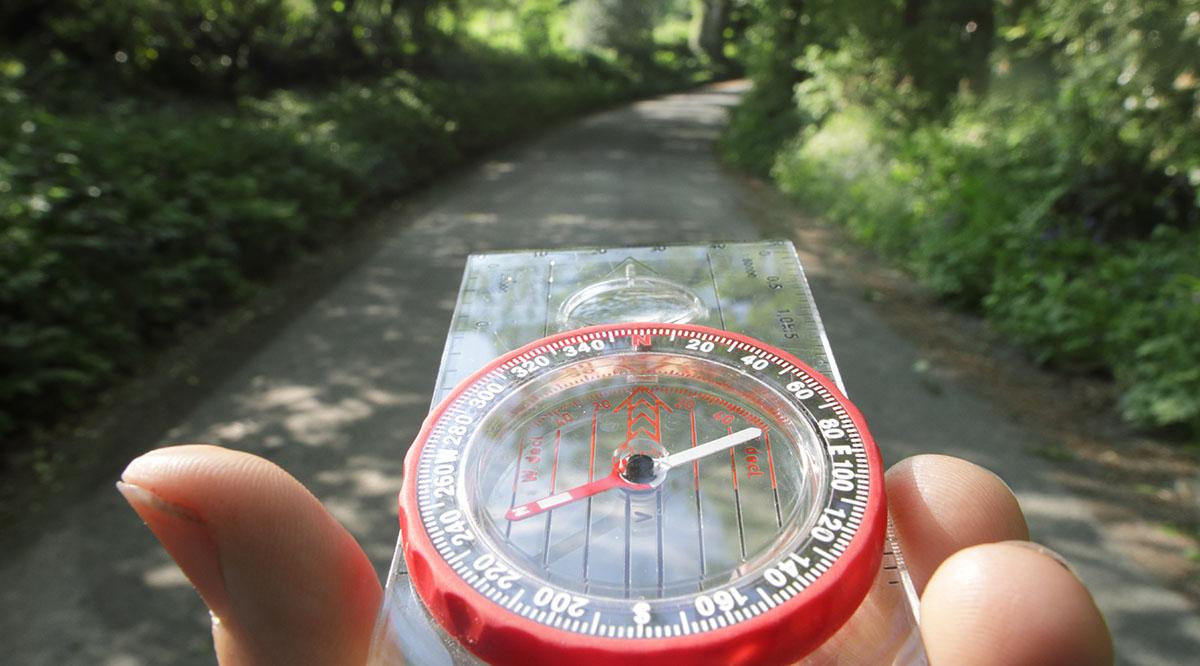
{"type": "Point", "coordinates": [185, 536]}
{"type": "Point", "coordinates": [1039, 548]}
{"type": "Point", "coordinates": [139, 498]}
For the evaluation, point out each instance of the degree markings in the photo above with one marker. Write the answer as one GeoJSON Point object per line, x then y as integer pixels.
{"type": "Point", "coordinates": [824, 558]}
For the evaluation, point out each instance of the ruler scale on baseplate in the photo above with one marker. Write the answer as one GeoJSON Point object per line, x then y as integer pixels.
{"type": "Point", "coordinates": [683, 386]}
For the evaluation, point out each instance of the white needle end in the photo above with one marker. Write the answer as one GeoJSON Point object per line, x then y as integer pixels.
{"type": "Point", "coordinates": [709, 448]}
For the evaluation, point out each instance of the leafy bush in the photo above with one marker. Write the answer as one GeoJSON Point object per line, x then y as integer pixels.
{"type": "Point", "coordinates": [1156, 357]}
{"type": "Point", "coordinates": [128, 217]}
{"type": "Point", "coordinates": [117, 226]}
{"type": "Point", "coordinates": [1037, 161]}
{"type": "Point", "coordinates": [1124, 77]}
{"type": "Point", "coordinates": [1090, 267]}
{"type": "Point", "coordinates": [845, 170]}
{"type": "Point", "coordinates": [1132, 307]}
{"type": "Point", "coordinates": [758, 129]}
{"type": "Point", "coordinates": [767, 118]}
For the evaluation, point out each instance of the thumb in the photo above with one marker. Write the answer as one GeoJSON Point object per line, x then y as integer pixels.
{"type": "Point", "coordinates": [285, 582]}
{"type": "Point", "coordinates": [1012, 602]}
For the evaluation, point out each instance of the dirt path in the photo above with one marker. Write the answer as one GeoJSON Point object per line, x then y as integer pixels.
{"type": "Point", "coordinates": [336, 391]}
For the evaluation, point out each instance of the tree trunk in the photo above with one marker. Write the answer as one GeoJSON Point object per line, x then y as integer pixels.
{"type": "Point", "coordinates": [913, 9]}
{"type": "Point", "coordinates": [710, 18]}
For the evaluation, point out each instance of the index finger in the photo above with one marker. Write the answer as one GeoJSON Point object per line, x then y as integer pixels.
{"type": "Point", "coordinates": [940, 505]}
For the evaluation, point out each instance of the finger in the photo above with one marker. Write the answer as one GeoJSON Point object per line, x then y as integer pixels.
{"type": "Point", "coordinates": [286, 583]}
{"type": "Point", "coordinates": [1011, 603]}
{"type": "Point", "coordinates": [940, 505]}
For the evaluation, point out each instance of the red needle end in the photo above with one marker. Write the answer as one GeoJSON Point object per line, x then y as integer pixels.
{"type": "Point", "coordinates": [519, 512]}
{"type": "Point", "coordinates": [577, 493]}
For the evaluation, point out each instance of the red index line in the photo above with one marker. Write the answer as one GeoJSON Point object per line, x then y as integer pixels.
{"type": "Point", "coordinates": [774, 489]}
{"type": "Point", "coordinates": [737, 498]}
{"type": "Point", "coordinates": [733, 461]}
{"type": "Point", "coordinates": [770, 459]}
{"type": "Point", "coordinates": [592, 458]}
{"type": "Point", "coordinates": [695, 463]}
{"type": "Point", "coordinates": [517, 475]}
{"type": "Point", "coordinates": [554, 469]}
{"type": "Point", "coordinates": [553, 483]}
{"type": "Point", "coordinates": [516, 478]}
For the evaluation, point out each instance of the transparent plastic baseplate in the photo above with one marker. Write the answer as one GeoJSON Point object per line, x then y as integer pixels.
{"type": "Point", "coordinates": [758, 289]}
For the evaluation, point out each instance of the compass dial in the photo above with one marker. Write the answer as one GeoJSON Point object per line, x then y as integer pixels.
{"type": "Point", "coordinates": [643, 490]}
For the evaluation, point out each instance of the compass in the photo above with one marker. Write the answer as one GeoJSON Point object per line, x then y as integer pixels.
{"type": "Point", "coordinates": [643, 492]}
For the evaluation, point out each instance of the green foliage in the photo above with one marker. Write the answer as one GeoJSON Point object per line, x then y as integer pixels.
{"type": "Point", "coordinates": [119, 225]}
{"type": "Point", "coordinates": [1126, 74]}
{"type": "Point", "coordinates": [1133, 308]}
{"type": "Point", "coordinates": [757, 129]}
{"type": "Point", "coordinates": [767, 117]}
{"type": "Point", "coordinates": [1160, 362]}
{"type": "Point", "coordinates": [851, 77]}
{"type": "Point", "coordinates": [624, 27]}
{"type": "Point", "coordinates": [1057, 195]}
{"type": "Point", "coordinates": [988, 215]}
{"type": "Point", "coordinates": [218, 47]}
{"type": "Point", "coordinates": [125, 215]}
{"type": "Point", "coordinates": [842, 169]}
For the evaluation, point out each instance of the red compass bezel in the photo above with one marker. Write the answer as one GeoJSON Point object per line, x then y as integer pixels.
{"type": "Point", "coordinates": [500, 636]}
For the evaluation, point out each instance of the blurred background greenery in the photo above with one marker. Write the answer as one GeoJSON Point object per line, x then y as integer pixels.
{"type": "Point", "coordinates": [160, 158]}
{"type": "Point", "coordinates": [1034, 160]}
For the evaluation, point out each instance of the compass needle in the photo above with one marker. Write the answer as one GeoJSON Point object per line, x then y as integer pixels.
{"type": "Point", "coordinates": [625, 480]}
{"type": "Point", "coordinates": [716, 446]}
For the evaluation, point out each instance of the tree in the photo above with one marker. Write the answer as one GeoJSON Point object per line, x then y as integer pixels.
{"type": "Point", "coordinates": [626, 27]}
{"type": "Point", "coordinates": [710, 20]}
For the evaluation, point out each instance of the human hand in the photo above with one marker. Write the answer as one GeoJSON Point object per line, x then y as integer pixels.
{"type": "Point", "coordinates": [287, 584]}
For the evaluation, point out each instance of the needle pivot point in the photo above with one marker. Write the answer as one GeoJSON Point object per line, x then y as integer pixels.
{"type": "Point", "coordinates": [639, 468]}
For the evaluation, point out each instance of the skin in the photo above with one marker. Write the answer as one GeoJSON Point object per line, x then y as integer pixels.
{"type": "Point", "coordinates": [287, 584]}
